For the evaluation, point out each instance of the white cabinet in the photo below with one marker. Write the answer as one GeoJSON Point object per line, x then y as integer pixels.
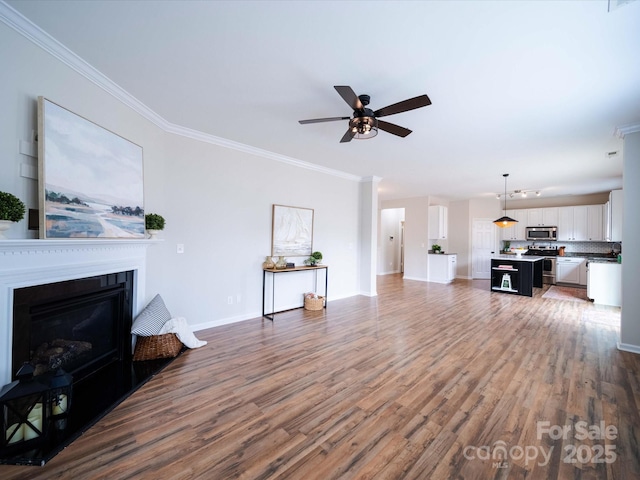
{"type": "Point", "coordinates": [518, 231]}
{"type": "Point", "coordinates": [606, 222]}
{"type": "Point", "coordinates": [452, 267]}
{"type": "Point", "coordinates": [595, 231]}
{"type": "Point", "coordinates": [581, 223]}
{"type": "Point", "coordinates": [583, 272]}
{"type": "Point", "coordinates": [604, 284]}
{"type": "Point", "coordinates": [572, 223]}
{"type": "Point", "coordinates": [571, 270]}
{"type": "Point", "coordinates": [437, 224]}
{"type": "Point", "coordinates": [542, 217]}
{"type": "Point", "coordinates": [441, 268]}
{"type": "Point", "coordinates": [615, 219]}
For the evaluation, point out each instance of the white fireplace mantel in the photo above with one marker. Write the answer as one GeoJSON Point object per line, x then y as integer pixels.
{"type": "Point", "coordinates": [25, 263]}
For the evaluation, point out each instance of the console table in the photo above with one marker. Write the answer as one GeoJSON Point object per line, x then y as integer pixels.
{"type": "Point", "coordinates": [274, 271]}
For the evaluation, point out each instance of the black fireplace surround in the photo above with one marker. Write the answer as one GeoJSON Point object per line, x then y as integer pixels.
{"type": "Point", "coordinates": [84, 327]}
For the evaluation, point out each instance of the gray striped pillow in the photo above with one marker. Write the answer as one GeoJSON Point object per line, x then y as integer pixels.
{"type": "Point", "coordinates": [151, 320]}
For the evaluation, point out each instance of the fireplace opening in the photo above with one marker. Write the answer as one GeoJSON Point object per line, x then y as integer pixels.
{"type": "Point", "coordinates": [84, 327]}
{"type": "Point", "coordinates": [79, 325]}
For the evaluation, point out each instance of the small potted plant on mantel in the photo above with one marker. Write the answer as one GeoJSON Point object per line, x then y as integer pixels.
{"type": "Point", "coordinates": [314, 259]}
{"type": "Point", "coordinates": [11, 210]}
{"type": "Point", "coordinates": [153, 223]}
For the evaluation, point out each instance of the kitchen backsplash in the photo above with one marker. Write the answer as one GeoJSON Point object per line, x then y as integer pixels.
{"type": "Point", "coordinates": [573, 247]}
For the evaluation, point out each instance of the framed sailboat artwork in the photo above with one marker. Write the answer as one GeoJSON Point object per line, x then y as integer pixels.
{"type": "Point", "coordinates": [292, 231]}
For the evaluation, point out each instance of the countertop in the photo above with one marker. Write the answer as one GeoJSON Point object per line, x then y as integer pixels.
{"type": "Point", "coordinates": [593, 257]}
{"type": "Point", "coordinates": [443, 254]}
{"type": "Point", "coordinates": [514, 258]}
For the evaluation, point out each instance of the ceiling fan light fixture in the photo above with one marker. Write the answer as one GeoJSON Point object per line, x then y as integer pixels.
{"type": "Point", "coordinates": [505, 221]}
{"type": "Point", "coordinates": [364, 128]}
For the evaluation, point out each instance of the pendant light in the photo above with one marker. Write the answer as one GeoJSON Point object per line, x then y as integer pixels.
{"type": "Point", "coordinates": [504, 221]}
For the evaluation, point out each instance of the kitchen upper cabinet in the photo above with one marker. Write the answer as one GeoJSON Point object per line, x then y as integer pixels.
{"type": "Point", "coordinates": [615, 205]}
{"type": "Point", "coordinates": [606, 222]}
{"type": "Point", "coordinates": [573, 223]}
{"type": "Point", "coordinates": [517, 232]}
{"type": "Point", "coordinates": [437, 224]}
{"type": "Point", "coordinates": [595, 230]}
{"type": "Point", "coordinates": [542, 217]}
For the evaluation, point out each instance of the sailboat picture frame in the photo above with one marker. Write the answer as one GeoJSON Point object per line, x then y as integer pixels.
{"type": "Point", "coordinates": [292, 231]}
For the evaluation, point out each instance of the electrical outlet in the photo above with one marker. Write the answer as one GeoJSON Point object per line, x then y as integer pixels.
{"type": "Point", "coordinates": [230, 300]}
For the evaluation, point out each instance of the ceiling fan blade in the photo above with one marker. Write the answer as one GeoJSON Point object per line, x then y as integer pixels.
{"type": "Point", "coordinates": [349, 96]}
{"type": "Point", "coordinates": [393, 128]}
{"type": "Point", "coordinates": [410, 104]}
{"type": "Point", "coordinates": [347, 136]}
{"type": "Point", "coordinates": [318, 120]}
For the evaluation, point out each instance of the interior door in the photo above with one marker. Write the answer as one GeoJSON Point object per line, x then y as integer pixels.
{"type": "Point", "coordinates": [483, 245]}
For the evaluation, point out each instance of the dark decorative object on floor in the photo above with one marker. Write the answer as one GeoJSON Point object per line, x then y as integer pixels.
{"type": "Point", "coordinates": [24, 413]}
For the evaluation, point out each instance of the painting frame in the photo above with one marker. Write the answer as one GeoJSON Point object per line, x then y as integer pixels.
{"type": "Point", "coordinates": [291, 231]}
{"type": "Point", "coordinates": [90, 179]}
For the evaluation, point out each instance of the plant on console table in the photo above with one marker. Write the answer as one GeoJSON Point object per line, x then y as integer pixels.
{"type": "Point", "coordinates": [153, 223]}
{"type": "Point", "coordinates": [11, 210]}
{"type": "Point", "coordinates": [314, 259]}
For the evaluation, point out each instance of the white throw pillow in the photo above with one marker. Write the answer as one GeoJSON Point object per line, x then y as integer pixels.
{"type": "Point", "coordinates": [151, 320]}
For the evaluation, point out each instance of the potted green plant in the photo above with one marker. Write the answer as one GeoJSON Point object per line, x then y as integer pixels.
{"type": "Point", "coordinates": [435, 248]}
{"type": "Point", "coordinates": [11, 210]}
{"type": "Point", "coordinates": [314, 259]}
{"type": "Point", "coordinates": [153, 222]}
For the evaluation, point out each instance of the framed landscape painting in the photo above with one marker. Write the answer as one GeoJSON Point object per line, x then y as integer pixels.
{"type": "Point", "coordinates": [90, 179]}
{"type": "Point", "coordinates": [292, 229]}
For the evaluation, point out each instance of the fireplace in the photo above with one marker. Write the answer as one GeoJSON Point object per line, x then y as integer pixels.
{"type": "Point", "coordinates": [78, 325]}
{"type": "Point", "coordinates": [70, 303]}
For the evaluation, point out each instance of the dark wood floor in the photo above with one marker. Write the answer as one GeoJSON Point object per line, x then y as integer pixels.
{"type": "Point", "coordinates": [426, 381]}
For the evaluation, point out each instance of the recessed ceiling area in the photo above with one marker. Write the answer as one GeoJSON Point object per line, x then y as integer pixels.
{"type": "Point", "coordinates": [535, 89]}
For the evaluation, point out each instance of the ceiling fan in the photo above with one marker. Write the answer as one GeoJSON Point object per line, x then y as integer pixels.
{"type": "Point", "coordinates": [364, 123]}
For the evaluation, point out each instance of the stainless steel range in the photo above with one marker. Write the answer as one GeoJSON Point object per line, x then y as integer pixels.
{"type": "Point", "coordinates": [548, 264]}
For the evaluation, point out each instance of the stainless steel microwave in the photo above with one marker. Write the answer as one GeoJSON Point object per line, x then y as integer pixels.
{"type": "Point", "coordinates": [542, 234]}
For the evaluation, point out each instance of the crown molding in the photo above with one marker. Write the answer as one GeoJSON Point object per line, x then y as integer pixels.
{"type": "Point", "coordinates": [42, 39]}
{"type": "Point", "coordinates": [623, 130]}
{"type": "Point", "coordinates": [372, 179]}
{"type": "Point", "coordinates": [242, 147]}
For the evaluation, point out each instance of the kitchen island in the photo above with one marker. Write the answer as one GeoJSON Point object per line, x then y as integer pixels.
{"type": "Point", "coordinates": [516, 275]}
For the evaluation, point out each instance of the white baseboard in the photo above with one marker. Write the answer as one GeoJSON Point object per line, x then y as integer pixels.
{"type": "Point", "coordinates": [419, 279]}
{"type": "Point", "coordinates": [389, 273]}
{"type": "Point", "coordinates": [625, 347]}
{"type": "Point", "coordinates": [249, 316]}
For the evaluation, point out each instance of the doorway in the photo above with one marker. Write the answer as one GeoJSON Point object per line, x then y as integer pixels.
{"type": "Point", "coordinates": [483, 247]}
{"type": "Point", "coordinates": [391, 241]}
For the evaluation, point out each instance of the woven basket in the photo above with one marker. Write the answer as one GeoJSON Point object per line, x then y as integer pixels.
{"type": "Point", "coordinates": [314, 303]}
{"type": "Point", "coordinates": [157, 346]}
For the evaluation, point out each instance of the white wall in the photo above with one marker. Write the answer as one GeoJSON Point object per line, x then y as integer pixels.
{"type": "Point", "coordinates": [416, 243]}
{"type": "Point", "coordinates": [630, 318]}
{"type": "Point", "coordinates": [216, 201]}
{"type": "Point", "coordinates": [460, 237]}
